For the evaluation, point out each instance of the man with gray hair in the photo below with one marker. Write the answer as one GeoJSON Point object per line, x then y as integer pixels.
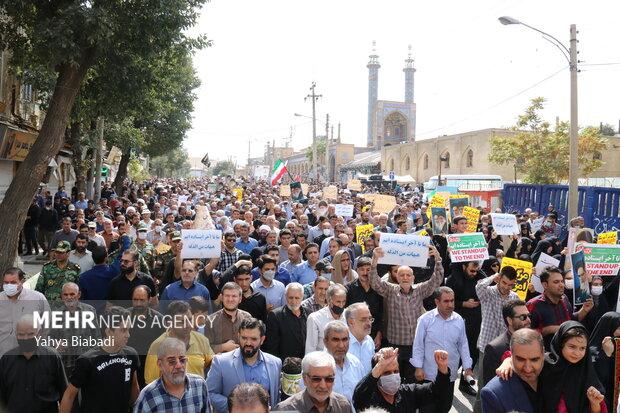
{"type": "Point", "coordinates": [318, 369]}
{"type": "Point", "coordinates": [520, 391]}
{"type": "Point", "coordinates": [361, 345]}
{"type": "Point", "coordinates": [349, 370]}
{"type": "Point", "coordinates": [287, 325]}
{"type": "Point", "coordinates": [336, 300]}
{"type": "Point", "coordinates": [248, 398]}
{"type": "Point", "coordinates": [175, 390]}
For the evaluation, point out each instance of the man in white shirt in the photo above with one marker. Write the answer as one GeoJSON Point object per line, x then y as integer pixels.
{"type": "Point", "coordinates": [349, 370]}
{"type": "Point", "coordinates": [80, 255]}
{"type": "Point", "coordinates": [93, 236]}
{"type": "Point", "coordinates": [336, 300]}
{"type": "Point", "coordinates": [361, 345]}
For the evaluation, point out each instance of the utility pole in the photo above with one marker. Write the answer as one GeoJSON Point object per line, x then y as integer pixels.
{"type": "Point", "coordinates": [98, 155]}
{"type": "Point", "coordinates": [314, 98]}
{"type": "Point", "coordinates": [327, 144]}
{"type": "Point", "coordinates": [573, 169]}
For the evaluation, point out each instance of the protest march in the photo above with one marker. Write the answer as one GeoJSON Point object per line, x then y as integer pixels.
{"type": "Point", "coordinates": [197, 295]}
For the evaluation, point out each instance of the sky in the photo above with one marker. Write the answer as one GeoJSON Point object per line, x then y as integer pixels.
{"type": "Point", "coordinates": [472, 72]}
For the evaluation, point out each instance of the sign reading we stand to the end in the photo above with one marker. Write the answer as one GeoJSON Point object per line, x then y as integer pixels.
{"type": "Point", "coordinates": [468, 247]}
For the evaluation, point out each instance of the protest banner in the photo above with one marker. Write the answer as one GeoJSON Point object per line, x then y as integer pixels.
{"type": "Point", "coordinates": [505, 224]}
{"type": "Point", "coordinates": [344, 210]}
{"type": "Point", "coordinates": [457, 204]}
{"type": "Point", "coordinates": [608, 238]}
{"type": "Point", "coordinates": [354, 185]}
{"type": "Point", "coordinates": [183, 198]}
{"type": "Point", "coordinates": [537, 224]}
{"type": "Point", "coordinates": [524, 274]}
{"type": "Point", "coordinates": [439, 220]}
{"type": "Point", "coordinates": [285, 190]}
{"type": "Point", "coordinates": [468, 247]}
{"type": "Point", "coordinates": [384, 204]}
{"type": "Point", "coordinates": [315, 194]}
{"type": "Point", "coordinates": [438, 201]}
{"type": "Point", "coordinates": [473, 216]}
{"type": "Point", "coordinates": [603, 260]}
{"type": "Point", "coordinates": [422, 233]}
{"type": "Point", "coordinates": [331, 192]}
{"type": "Point", "coordinates": [202, 219]}
{"type": "Point", "coordinates": [404, 249]}
{"type": "Point", "coordinates": [362, 233]}
{"type": "Point", "coordinates": [544, 261]}
{"type": "Point", "coordinates": [201, 243]}
{"type": "Point", "coordinates": [305, 188]}
{"type": "Point", "coordinates": [581, 290]}
{"type": "Point", "coordinates": [238, 192]}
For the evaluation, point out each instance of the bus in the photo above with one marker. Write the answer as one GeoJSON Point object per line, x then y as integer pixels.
{"type": "Point", "coordinates": [465, 182]}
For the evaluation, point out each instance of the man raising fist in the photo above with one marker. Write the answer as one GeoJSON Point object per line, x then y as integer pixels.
{"type": "Point", "coordinates": [382, 387]}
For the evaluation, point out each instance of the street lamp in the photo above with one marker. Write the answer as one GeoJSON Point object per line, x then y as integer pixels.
{"type": "Point", "coordinates": [571, 57]}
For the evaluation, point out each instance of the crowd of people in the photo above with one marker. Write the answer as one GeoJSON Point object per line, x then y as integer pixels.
{"type": "Point", "coordinates": [296, 314]}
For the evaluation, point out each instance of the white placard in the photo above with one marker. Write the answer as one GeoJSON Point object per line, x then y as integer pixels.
{"type": "Point", "coordinates": [201, 243]}
{"type": "Point", "coordinates": [544, 261]}
{"type": "Point", "coordinates": [505, 224]}
{"type": "Point", "coordinates": [183, 198]}
{"type": "Point", "coordinates": [537, 224]}
{"type": "Point", "coordinates": [404, 249]}
{"type": "Point", "coordinates": [344, 210]}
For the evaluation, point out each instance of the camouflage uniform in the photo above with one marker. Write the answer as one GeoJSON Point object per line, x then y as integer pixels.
{"type": "Point", "coordinates": [147, 254]}
{"type": "Point", "coordinates": [161, 262]}
{"type": "Point", "coordinates": [51, 279]}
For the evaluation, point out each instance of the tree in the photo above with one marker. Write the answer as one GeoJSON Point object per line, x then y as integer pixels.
{"type": "Point", "coordinates": [542, 153]}
{"type": "Point", "coordinates": [223, 168]}
{"type": "Point", "coordinates": [70, 37]}
{"type": "Point", "coordinates": [607, 130]}
{"type": "Point", "coordinates": [174, 164]}
{"type": "Point", "coordinates": [321, 145]}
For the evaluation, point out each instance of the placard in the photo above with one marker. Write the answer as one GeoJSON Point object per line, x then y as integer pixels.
{"type": "Point", "coordinates": [544, 261]}
{"type": "Point", "coordinates": [439, 221]}
{"type": "Point", "coordinates": [524, 274]}
{"type": "Point", "coordinates": [422, 233]}
{"type": "Point", "coordinates": [404, 249]}
{"type": "Point", "coordinates": [468, 247]}
{"type": "Point", "coordinates": [581, 290]}
{"type": "Point", "coordinates": [285, 190]}
{"type": "Point", "coordinates": [603, 260]}
{"type": "Point", "coordinates": [344, 210]}
{"type": "Point", "coordinates": [201, 243]}
{"type": "Point", "coordinates": [537, 224]}
{"type": "Point", "coordinates": [354, 185]}
{"type": "Point", "coordinates": [384, 204]}
{"type": "Point", "coordinates": [457, 204]}
{"type": "Point", "coordinates": [362, 233]}
{"type": "Point", "coordinates": [238, 192]}
{"type": "Point", "coordinates": [368, 197]}
{"type": "Point", "coordinates": [505, 224]}
{"type": "Point", "coordinates": [183, 198]}
{"type": "Point", "coordinates": [608, 238]}
{"type": "Point", "coordinates": [331, 192]}
{"type": "Point", "coordinates": [473, 216]}
{"type": "Point", "coordinates": [305, 188]}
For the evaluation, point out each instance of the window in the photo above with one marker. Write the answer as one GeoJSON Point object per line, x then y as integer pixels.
{"type": "Point", "coordinates": [445, 158]}
{"type": "Point", "coordinates": [470, 159]}
{"type": "Point", "coordinates": [407, 163]}
{"type": "Point", "coordinates": [425, 161]}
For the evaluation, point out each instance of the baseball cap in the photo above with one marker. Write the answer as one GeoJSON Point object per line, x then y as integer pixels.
{"type": "Point", "coordinates": [324, 265]}
{"type": "Point", "coordinates": [63, 246]}
{"type": "Point", "coordinates": [71, 207]}
{"type": "Point", "coordinates": [142, 227]}
{"type": "Point", "coordinates": [176, 236]}
{"type": "Point", "coordinates": [92, 224]}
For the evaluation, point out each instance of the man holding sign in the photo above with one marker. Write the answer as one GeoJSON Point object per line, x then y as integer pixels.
{"type": "Point", "coordinates": [404, 304]}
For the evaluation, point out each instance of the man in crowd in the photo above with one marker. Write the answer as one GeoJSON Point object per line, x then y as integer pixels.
{"type": "Point", "coordinates": [318, 299]}
{"type": "Point", "coordinates": [336, 300]}
{"type": "Point", "coordinates": [244, 243]}
{"type": "Point", "coordinates": [294, 258]}
{"type": "Point", "coordinates": [272, 289]}
{"type": "Point", "coordinates": [319, 374]}
{"type": "Point", "coordinates": [359, 320]}
{"type": "Point", "coordinates": [360, 291]}
{"type": "Point", "coordinates": [304, 273]}
{"type": "Point", "coordinates": [248, 363]}
{"type": "Point", "coordinates": [252, 301]}
{"type": "Point", "coordinates": [230, 253]}
{"type": "Point", "coordinates": [287, 326]}
{"type": "Point", "coordinates": [57, 272]}
{"type": "Point", "coordinates": [441, 329]}
{"type": "Point", "coordinates": [248, 398]}
{"type": "Point", "coordinates": [80, 256]}
{"type": "Point", "coordinates": [224, 332]}
{"type": "Point", "coordinates": [187, 287]}
{"type": "Point", "coordinates": [121, 287]}
{"type": "Point", "coordinates": [65, 234]}
{"type": "Point", "coordinates": [48, 222]}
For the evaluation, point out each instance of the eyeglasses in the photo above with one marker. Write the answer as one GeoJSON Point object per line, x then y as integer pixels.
{"type": "Point", "coordinates": [365, 320]}
{"type": "Point", "coordinates": [172, 361]}
{"type": "Point", "coordinates": [318, 379]}
{"type": "Point", "coordinates": [522, 317]}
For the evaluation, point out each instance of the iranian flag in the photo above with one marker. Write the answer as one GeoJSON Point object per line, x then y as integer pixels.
{"type": "Point", "coordinates": [278, 171]}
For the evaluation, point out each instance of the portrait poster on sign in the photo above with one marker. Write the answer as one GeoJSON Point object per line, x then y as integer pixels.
{"type": "Point", "coordinates": [457, 204]}
{"type": "Point", "coordinates": [524, 275]}
{"type": "Point", "coordinates": [581, 289]}
{"type": "Point", "coordinates": [439, 221]}
{"type": "Point", "coordinates": [404, 249]}
{"type": "Point", "coordinates": [438, 201]}
{"type": "Point", "coordinates": [201, 243]}
{"type": "Point", "coordinates": [362, 233]}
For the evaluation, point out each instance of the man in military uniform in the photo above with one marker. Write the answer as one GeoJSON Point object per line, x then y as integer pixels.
{"type": "Point", "coordinates": [145, 248]}
{"type": "Point", "coordinates": [57, 272]}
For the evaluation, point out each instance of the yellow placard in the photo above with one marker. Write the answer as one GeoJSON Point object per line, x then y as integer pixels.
{"type": "Point", "coordinates": [438, 201]}
{"type": "Point", "coordinates": [238, 192]}
{"type": "Point", "coordinates": [331, 192]}
{"type": "Point", "coordinates": [472, 215]}
{"type": "Point", "coordinates": [608, 237]}
{"type": "Point", "coordinates": [384, 204]}
{"type": "Point", "coordinates": [285, 190]}
{"type": "Point", "coordinates": [354, 185]}
{"type": "Point", "coordinates": [524, 275]}
{"type": "Point", "coordinates": [362, 233]}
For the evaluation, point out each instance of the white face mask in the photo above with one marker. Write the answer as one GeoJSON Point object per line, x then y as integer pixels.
{"type": "Point", "coordinates": [142, 235]}
{"type": "Point", "coordinates": [11, 289]}
{"type": "Point", "coordinates": [390, 383]}
{"type": "Point", "coordinates": [158, 228]}
{"type": "Point", "coordinates": [597, 289]}
{"type": "Point", "coordinates": [569, 284]}
{"type": "Point", "coordinates": [268, 275]}
{"type": "Point", "coordinates": [327, 232]}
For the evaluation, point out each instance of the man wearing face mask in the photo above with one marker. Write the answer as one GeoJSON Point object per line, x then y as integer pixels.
{"type": "Point", "coordinates": [336, 300]}
{"type": "Point", "coordinates": [272, 289]}
{"type": "Point", "coordinates": [32, 378]}
{"type": "Point", "coordinates": [16, 301]}
{"type": "Point", "coordinates": [382, 386]}
{"type": "Point", "coordinates": [80, 256]}
{"type": "Point", "coordinates": [145, 248]}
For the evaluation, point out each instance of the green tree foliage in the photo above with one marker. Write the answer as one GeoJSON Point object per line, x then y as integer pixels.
{"type": "Point", "coordinates": [136, 170]}
{"type": "Point", "coordinates": [607, 130]}
{"type": "Point", "coordinates": [321, 145]}
{"type": "Point", "coordinates": [174, 164]}
{"type": "Point", "coordinates": [223, 168]}
{"type": "Point", "coordinates": [541, 153]}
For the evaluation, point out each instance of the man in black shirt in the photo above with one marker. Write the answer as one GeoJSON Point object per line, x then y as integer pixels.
{"type": "Point", "coordinates": [286, 326]}
{"type": "Point", "coordinates": [360, 291]}
{"type": "Point", "coordinates": [253, 302]}
{"type": "Point", "coordinates": [122, 286]}
{"type": "Point", "coordinates": [106, 375]}
{"type": "Point", "coordinates": [32, 377]}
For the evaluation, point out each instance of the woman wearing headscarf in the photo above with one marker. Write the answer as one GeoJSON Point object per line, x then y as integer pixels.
{"type": "Point", "coordinates": [490, 266]}
{"type": "Point", "coordinates": [569, 380]}
{"type": "Point", "coordinates": [543, 246]}
{"type": "Point", "coordinates": [602, 349]}
{"type": "Point", "coordinates": [601, 305]}
{"type": "Point", "coordinates": [343, 273]}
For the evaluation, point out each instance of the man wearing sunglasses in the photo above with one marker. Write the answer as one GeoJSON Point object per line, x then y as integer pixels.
{"type": "Point", "coordinates": [318, 369]}
{"type": "Point", "coordinates": [175, 389]}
